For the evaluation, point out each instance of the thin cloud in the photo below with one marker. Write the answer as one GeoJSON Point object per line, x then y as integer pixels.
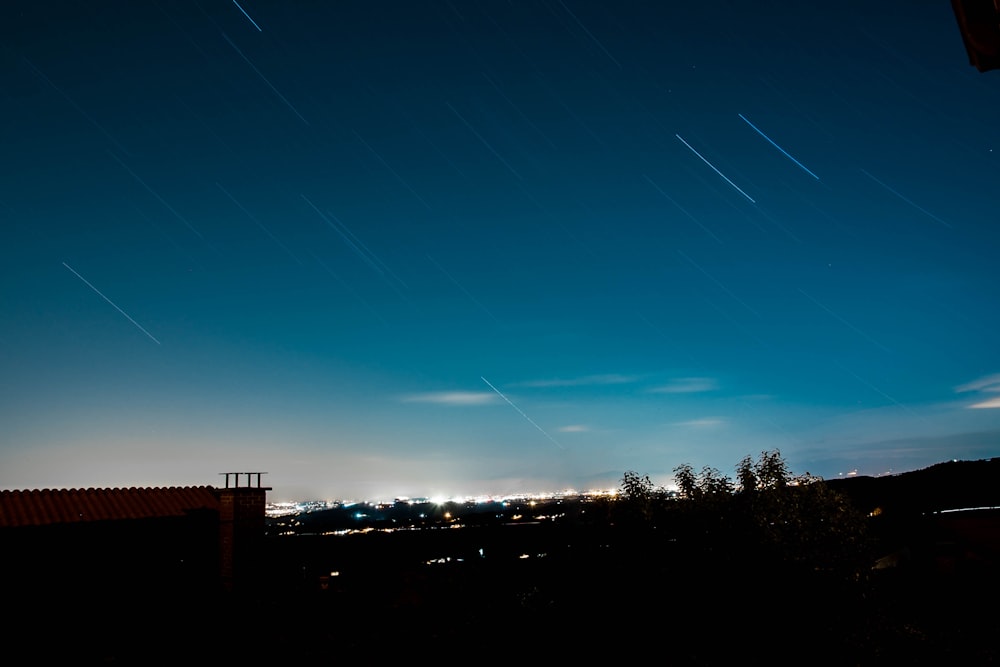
{"type": "Point", "coordinates": [453, 398]}
{"type": "Point", "coordinates": [574, 428]}
{"type": "Point", "coordinates": [687, 386]}
{"type": "Point", "coordinates": [580, 381]}
{"type": "Point", "coordinates": [702, 423]}
{"type": "Point", "coordinates": [990, 383]}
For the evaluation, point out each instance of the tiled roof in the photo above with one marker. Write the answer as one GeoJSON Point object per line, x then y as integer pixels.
{"type": "Point", "coordinates": [51, 506]}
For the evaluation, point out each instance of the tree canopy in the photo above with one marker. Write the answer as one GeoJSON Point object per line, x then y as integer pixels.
{"type": "Point", "coordinates": [768, 513]}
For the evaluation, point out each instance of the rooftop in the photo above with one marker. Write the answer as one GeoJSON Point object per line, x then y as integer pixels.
{"type": "Point", "coordinates": [59, 506]}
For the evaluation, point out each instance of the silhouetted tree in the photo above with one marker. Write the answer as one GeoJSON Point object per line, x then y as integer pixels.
{"type": "Point", "coordinates": [639, 497]}
{"type": "Point", "coordinates": [769, 516]}
{"type": "Point", "coordinates": [713, 485]}
{"type": "Point", "coordinates": [746, 475]}
{"type": "Point", "coordinates": [797, 520]}
{"type": "Point", "coordinates": [687, 481]}
{"type": "Point", "coordinates": [772, 471]}
{"type": "Point", "coordinates": [636, 487]}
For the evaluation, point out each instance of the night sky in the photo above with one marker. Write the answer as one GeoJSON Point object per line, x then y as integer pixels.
{"type": "Point", "coordinates": [423, 248]}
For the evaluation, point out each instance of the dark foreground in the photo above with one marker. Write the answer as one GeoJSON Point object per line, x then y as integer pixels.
{"type": "Point", "coordinates": [533, 593]}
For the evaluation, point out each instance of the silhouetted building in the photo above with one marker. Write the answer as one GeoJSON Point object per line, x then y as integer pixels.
{"type": "Point", "coordinates": [979, 23]}
{"type": "Point", "coordinates": [131, 544]}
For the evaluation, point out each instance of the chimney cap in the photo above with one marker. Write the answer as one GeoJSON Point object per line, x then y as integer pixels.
{"type": "Point", "coordinates": [252, 480]}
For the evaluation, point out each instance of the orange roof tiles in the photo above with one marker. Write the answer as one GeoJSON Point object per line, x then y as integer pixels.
{"type": "Point", "coordinates": [51, 506]}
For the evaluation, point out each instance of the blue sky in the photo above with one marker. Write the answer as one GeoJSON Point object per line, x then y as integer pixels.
{"type": "Point", "coordinates": [419, 248]}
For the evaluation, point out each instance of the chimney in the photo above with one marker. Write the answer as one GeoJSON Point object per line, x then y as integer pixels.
{"type": "Point", "coordinates": [241, 529]}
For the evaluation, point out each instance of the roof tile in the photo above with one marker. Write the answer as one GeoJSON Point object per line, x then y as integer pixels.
{"type": "Point", "coordinates": [52, 506]}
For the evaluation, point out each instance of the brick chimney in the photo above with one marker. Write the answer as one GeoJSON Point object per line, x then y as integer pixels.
{"type": "Point", "coordinates": [241, 529]}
